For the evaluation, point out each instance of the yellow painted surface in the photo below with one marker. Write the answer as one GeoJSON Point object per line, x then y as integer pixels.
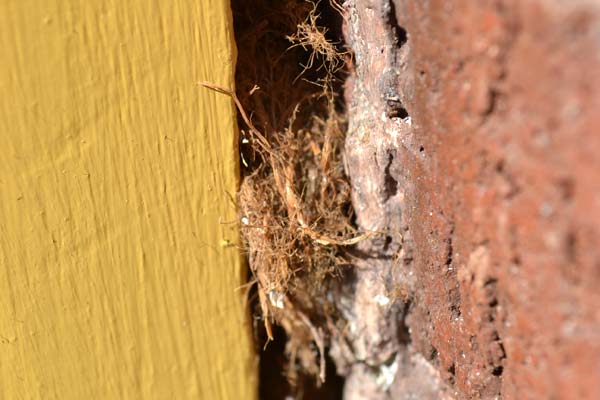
{"type": "Point", "coordinates": [116, 280]}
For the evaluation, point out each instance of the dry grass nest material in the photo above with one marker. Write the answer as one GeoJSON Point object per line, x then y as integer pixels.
{"type": "Point", "coordinates": [295, 209]}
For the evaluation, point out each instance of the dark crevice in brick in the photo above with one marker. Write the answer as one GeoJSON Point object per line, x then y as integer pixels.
{"type": "Point", "coordinates": [433, 355]}
{"type": "Point", "coordinates": [452, 371]}
{"type": "Point", "coordinates": [391, 184]}
{"type": "Point", "coordinates": [498, 370]}
{"type": "Point", "coordinates": [400, 35]}
{"type": "Point", "coordinates": [497, 352]}
{"type": "Point", "coordinates": [449, 249]}
{"type": "Point", "coordinates": [394, 109]}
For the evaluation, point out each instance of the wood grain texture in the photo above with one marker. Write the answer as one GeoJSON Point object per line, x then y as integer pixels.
{"type": "Point", "coordinates": [116, 276]}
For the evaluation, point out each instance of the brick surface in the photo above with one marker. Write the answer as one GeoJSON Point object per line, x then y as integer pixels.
{"type": "Point", "coordinates": [474, 132]}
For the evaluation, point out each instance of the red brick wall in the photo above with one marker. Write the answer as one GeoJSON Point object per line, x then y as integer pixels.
{"type": "Point", "coordinates": [484, 123]}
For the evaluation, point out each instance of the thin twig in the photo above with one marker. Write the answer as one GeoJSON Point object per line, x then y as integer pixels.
{"type": "Point", "coordinates": [264, 143]}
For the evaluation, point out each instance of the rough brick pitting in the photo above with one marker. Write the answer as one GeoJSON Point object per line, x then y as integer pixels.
{"type": "Point", "coordinates": [474, 140]}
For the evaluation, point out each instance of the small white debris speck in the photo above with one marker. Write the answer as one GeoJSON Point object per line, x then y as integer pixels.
{"type": "Point", "coordinates": [276, 299]}
{"type": "Point", "coordinates": [382, 299]}
{"type": "Point", "coordinates": [352, 327]}
{"type": "Point", "coordinates": [245, 221]}
{"type": "Point", "coordinates": [387, 374]}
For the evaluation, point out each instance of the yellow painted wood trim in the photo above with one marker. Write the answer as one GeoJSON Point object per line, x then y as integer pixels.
{"type": "Point", "coordinates": [117, 276]}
